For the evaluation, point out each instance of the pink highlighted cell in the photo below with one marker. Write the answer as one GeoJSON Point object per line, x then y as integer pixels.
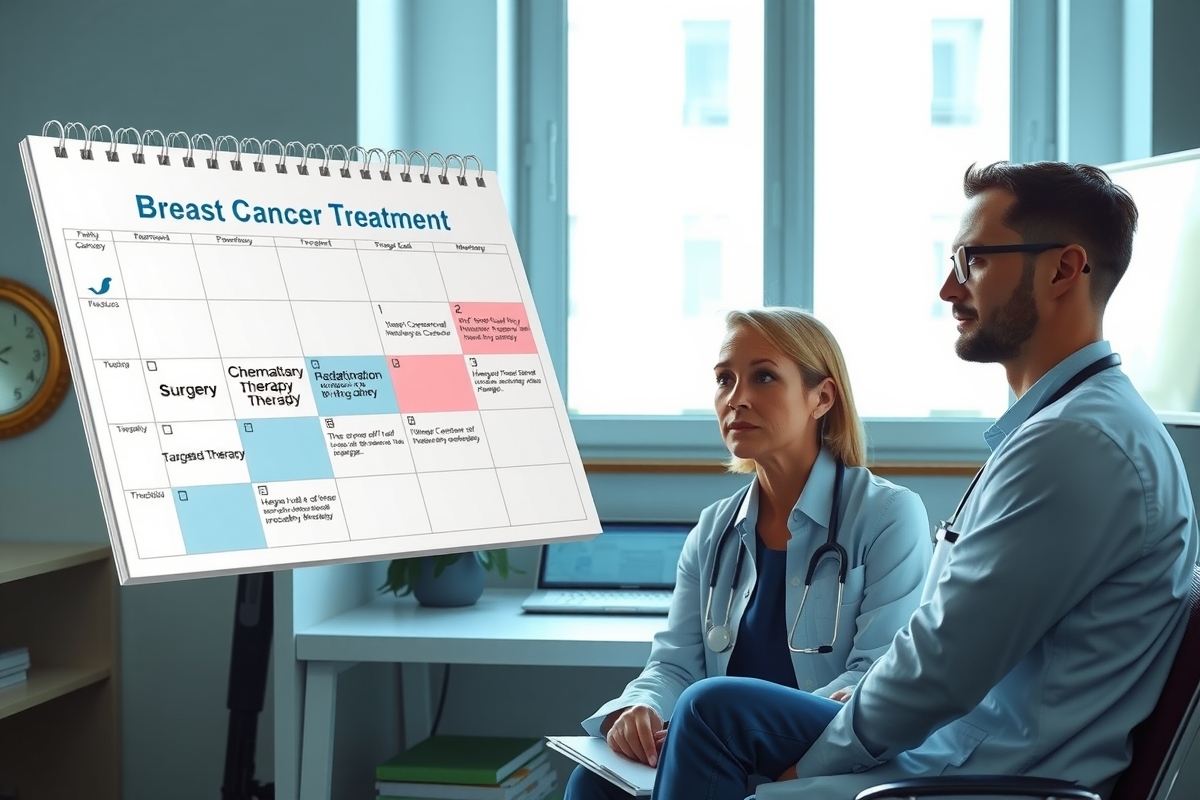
{"type": "Point", "coordinates": [432, 383]}
{"type": "Point", "coordinates": [485, 328]}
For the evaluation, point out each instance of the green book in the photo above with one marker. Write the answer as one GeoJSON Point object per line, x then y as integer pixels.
{"type": "Point", "coordinates": [472, 760]}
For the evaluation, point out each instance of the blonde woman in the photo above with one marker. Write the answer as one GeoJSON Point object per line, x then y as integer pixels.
{"type": "Point", "coordinates": [813, 526]}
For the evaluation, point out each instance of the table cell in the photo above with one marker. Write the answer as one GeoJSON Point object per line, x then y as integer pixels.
{"type": "Point", "coordinates": [447, 441]}
{"type": "Point", "coordinates": [493, 328]}
{"type": "Point", "coordinates": [269, 387]}
{"type": "Point", "coordinates": [541, 494]}
{"type": "Point", "coordinates": [417, 329]}
{"type": "Point", "coordinates": [322, 274]}
{"type": "Point", "coordinates": [139, 456]}
{"type": "Point", "coordinates": [470, 249]}
{"type": "Point", "coordinates": [478, 278]}
{"type": "Point", "coordinates": [255, 328]}
{"type": "Point", "coordinates": [123, 393]}
{"type": "Point", "coordinates": [173, 329]}
{"type": "Point", "coordinates": [87, 235]}
{"type": "Point", "coordinates": [524, 436]}
{"type": "Point", "coordinates": [384, 506]}
{"type": "Point", "coordinates": [378, 246]}
{"type": "Point", "coordinates": [142, 237]}
{"type": "Point", "coordinates": [314, 243]}
{"type": "Point", "coordinates": [504, 381]}
{"type": "Point", "coordinates": [156, 531]}
{"type": "Point", "coordinates": [301, 512]}
{"type": "Point", "coordinates": [228, 242]}
{"type": "Point", "coordinates": [288, 449]}
{"type": "Point", "coordinates": [109, 329]}
{"type": "Point", "coordinates": [337, 328]}
{"type": "Point", "coordinates": [241, 272]}
{"type": "Point", "coordinates": [345, 385]}
{"type": "Point", "coordinates": [188, 389]}
{"type": "Point", "coordinates": [95, 269]}
{"type": "Point", "coordinates": [160, 271]}
{"type": "Point", "coordinates": [463, 500]}
{"type": "Point", "coordinates": [402, 276]}
{"type": "Point", "coordinates": [432, 383]}
{"type": "Point", "coordinates": [371, 444]}
{"type": "Point", "coordinates": [203, 453]}
{"type": "Point", "coordinates": [218, 519]}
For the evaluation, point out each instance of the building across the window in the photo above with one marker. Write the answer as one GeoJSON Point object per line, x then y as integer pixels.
{"type": "Point", "coordinates": [705, 73]}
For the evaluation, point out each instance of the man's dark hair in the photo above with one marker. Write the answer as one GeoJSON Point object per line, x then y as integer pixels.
{"type": "Point", "coordinates": [1068, 203]}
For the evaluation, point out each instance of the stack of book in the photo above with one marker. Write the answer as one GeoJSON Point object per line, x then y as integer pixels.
{"type": "Point", "coordinates": [468, 768]}
{"type": "Point", "coordinates": [14, 663]}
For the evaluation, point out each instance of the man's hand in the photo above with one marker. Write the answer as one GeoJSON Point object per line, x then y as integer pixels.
{"type": "Point", "coordinates": [637, 733]}
{"type": "Point", "coordinates": [841, 696]}
{"type": "Point", "coordinates": [789, 774]}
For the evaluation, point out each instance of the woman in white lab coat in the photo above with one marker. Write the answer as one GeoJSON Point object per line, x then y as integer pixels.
{"type": "Point", "coordinates": [787, 416]}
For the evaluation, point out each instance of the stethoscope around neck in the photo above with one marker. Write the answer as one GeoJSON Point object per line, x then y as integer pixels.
{"type": "Point", "coordinates": [945, 530]}
{"type": "Point", "coordinates": [719, 637]}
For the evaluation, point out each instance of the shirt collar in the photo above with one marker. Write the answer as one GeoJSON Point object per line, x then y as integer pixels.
{"type": "Point", "coordinates": [1045, 386]}
{"type": "Point", "coordinates": [815, 501]}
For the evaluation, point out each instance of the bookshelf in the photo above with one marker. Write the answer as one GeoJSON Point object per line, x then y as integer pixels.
{"type": "Point", "coordinates": [60, 729]}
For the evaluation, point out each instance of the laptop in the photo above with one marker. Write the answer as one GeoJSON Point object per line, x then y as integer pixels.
{"type": "Point", "coordinates": [628, 568]}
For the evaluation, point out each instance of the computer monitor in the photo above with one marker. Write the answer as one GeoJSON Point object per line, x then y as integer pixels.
{"type": "Point", "coordinates": [626, 554]}
{"type": "Point", "coordinates": [1152, 319]}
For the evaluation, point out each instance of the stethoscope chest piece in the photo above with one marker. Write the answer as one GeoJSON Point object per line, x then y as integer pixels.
{"type": "Point", "coordinates": [718, 638]}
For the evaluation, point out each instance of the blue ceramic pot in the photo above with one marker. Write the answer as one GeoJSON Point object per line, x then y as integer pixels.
{"type": "Point", "coordinates": [460, 584]}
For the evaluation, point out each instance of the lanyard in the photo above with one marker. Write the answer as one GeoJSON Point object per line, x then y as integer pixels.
{"type": "Point", "coordinates": [1096, 367]}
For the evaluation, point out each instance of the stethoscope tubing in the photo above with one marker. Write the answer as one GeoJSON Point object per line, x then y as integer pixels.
{"type": "Point", "coordinates": [719, 637]}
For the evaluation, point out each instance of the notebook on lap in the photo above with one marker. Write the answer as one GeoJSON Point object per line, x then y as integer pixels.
{"type": "Point", "coordinates": [629, 568]}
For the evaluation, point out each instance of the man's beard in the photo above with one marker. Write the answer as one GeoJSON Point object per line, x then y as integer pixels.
{"type": "Point", "coordinates": [1001, 336]}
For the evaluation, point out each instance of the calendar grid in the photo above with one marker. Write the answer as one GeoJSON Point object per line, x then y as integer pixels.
{"type": "Point", "coordinates": [423, 469]}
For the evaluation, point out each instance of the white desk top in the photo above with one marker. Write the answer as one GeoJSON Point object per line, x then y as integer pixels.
{"type": "Point", "coordinates": [493, 631]}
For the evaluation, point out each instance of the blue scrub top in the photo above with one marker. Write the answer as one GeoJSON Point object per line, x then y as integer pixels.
{"type": "Point", "coordinates": [761, 649]}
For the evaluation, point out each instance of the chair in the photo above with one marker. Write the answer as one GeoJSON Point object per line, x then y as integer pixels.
{"type": "Point", "coordinates": [1159, 743]}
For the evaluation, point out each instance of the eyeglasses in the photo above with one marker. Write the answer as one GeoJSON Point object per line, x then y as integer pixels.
{"type": "Point", "coordinates": [962, 256]}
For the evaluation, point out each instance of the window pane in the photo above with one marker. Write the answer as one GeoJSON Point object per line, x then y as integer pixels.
{"type": "Point", "coordinates": [907, 96]}
{"type": "Point", "coordinates": [664, 154]}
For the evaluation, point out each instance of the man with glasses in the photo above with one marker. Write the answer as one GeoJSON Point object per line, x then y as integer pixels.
{"type": "Point", "coordinates": [1055, 602]}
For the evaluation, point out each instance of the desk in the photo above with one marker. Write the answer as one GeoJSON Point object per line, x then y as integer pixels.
{"type": "Point", "coordinates": [493, 631]}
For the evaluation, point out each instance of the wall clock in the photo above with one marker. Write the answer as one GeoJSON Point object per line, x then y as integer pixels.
{"type": "Point", "coordinates": [34, 375]}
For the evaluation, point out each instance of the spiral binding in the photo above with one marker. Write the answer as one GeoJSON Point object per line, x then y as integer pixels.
{"type": "Point", "coordinates": [142, 140]}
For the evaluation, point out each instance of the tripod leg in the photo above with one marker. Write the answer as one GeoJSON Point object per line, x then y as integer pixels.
{"type": "Point", "coordinates": [253, 627]}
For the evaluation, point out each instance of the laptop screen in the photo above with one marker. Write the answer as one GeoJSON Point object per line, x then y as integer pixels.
{"type": "Point", "coordinates": [624, 555]}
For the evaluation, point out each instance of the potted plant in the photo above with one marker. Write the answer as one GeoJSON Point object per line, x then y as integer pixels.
{"type": "Point", "coordinates": [448, 580]}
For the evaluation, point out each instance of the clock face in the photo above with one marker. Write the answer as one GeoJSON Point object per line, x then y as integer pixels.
{"type": "Point", "coordinates": [24, 357]}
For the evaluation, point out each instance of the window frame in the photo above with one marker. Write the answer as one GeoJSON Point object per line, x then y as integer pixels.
{"type": "Point", "coordinates": [542, 226]}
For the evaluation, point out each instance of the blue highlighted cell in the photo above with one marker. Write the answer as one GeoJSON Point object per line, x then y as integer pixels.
{"type": "Point", "coordinates": [352, 385]}
{"type": "Point", "coordinates": [218, 519]}
{"type": "Point", "coordinates": [288, 449]}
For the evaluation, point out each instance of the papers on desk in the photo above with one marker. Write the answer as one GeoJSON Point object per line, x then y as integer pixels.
{"type": "Point", "coordinates": [595, 754]}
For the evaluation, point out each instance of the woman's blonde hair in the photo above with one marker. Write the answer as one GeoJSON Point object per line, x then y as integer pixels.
{"type": "Point", "coordinates": [804, 339]}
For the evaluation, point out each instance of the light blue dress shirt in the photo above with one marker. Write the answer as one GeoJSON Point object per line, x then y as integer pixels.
{"type": "Point", "coordinates": [1045, 633]}
{"type": "Point", "coordinates": [885, 530]}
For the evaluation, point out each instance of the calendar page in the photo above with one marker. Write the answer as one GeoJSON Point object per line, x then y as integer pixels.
{"type": "Point", "coordinates": [279, 369]}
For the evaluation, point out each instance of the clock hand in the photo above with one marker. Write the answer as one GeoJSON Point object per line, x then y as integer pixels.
{"type": "Point", "coordinates": [5, 349]}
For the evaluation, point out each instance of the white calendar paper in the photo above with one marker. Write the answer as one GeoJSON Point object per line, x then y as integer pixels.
{"type": "Point", "coordinates": [279, 369]}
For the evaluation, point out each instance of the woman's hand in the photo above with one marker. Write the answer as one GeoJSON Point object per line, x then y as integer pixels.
{"type": "Point", "coordinates": [637, 733]}
{"type": "Point", "coordinates": [841, 696]}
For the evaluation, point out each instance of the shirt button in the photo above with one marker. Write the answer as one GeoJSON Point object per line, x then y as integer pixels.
{"type": "Point", "coordinates": [747, 594]}
{"type": "Point", "coordinates": [795, 580]}
{"type": "Point", "coordinates": [858, 768]}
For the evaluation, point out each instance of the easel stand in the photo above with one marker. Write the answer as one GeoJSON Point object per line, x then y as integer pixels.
{"type": "Point", "coordinates": [253, 626]}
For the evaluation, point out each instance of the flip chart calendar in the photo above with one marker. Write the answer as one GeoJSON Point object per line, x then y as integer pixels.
{"type": "Point", "coordinates": [293, 355]}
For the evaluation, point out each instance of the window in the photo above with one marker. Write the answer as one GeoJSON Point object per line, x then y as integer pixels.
{"type": "Point", "coordinates": [701, 267]}
{"type": "Point", "coordinates": [705, 72]}
{"type": "Point", "coordinates": [956, 45]}
{"type": "Point", "coordinates": [666, 228]}
{"type": "Point", "coordinates": [888, 190]}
